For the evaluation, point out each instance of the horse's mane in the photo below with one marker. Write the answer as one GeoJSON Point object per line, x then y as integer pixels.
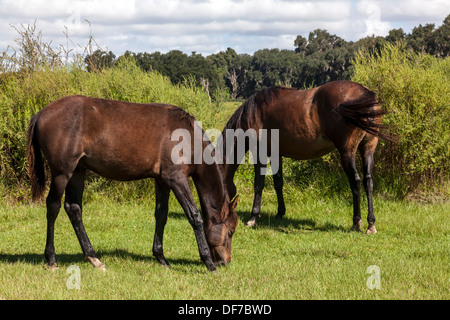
{"type": "Point", "coordinates": [245, 116]}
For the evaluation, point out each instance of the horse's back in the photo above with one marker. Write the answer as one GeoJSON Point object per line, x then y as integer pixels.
{"type": "Point", "coordinates": [305, 119]}
{"type": "Point", "coordinates": [118, 140]}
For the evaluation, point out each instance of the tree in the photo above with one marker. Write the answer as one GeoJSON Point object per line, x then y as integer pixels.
{"type": "Point", "coordinates": [149, 61]}
{"type": "Point", "coordinates": [277, 67]}
{"type": "Point", "coordinates": [372, 44]}
{"type": "Point", "coordinates": [319, 58]}
{"type": "Point", "coordinates": [321, 40]}
{"type": "Point", "coordinates": [203, 71]}
{"type": "Point", "coordinates": [421, 38]}
{"type": "Point", "coordinates": [99, 60]}
{"type": "Point", "coordinates": [300, 43]}
{"type": "Point", "coordinates": [441, 39]}
{"type": "Point", "coordinates": [324, 57]}
{"type": "Point", "coordinates": [396, 35]}
{"type": "Point", "coordinates": [233, 69]}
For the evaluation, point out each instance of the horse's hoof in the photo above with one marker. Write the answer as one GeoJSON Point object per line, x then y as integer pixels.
{"type": "Point", "coordinates": [53, 267]}
{"type": "Point", "coordinates": [212, 268]}
{"type": "Point", "coordinates": [251, 223]}
{"type": "Point", "coordinates": [356, 226]}
{"type": "Point", "coordinates": [96, 263]}
{"type": "Point", "coordinates": [371, 229]}
{"type": "Point", "coordinates": [161, 260]}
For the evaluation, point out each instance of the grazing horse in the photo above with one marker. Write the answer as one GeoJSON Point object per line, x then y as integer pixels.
{"type": "Point", "coordinates": [340, 115]}
{"type": "Point", "coordinates": [126, 141]}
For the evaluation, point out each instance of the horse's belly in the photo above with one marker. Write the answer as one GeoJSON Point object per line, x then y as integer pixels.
{"type": "Point", "coordinates": [122, 169]}
{"type": "Point", "coordinates": [306, 149]}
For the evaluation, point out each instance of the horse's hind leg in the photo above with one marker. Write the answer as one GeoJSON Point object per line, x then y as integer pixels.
{"type": "Point", "coordinates": [161, 210]}
{"type": "Point", "coordinates": [73, 207]}
{"type": "Point", "coordinates": [349, 165]}
{"type": "Point", "coordinates": [53, 202]}
{"type": "Point", "coordinates": [367, 149]}
{"type": "Point", "coordinates": [278, 184]}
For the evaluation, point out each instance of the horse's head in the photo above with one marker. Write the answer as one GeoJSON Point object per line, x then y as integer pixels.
{"type": "Point", "coordinates": [219, 232]}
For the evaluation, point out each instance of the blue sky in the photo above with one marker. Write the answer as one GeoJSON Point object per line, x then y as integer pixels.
{"type": "Point", "coordinates": [210, 26]}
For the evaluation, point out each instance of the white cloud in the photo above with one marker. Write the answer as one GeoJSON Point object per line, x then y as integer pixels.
{"type": "Point", "coordinates": [413, 10]}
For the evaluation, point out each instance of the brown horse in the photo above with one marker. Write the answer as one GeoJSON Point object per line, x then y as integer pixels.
{"type": "Point", "coordinates": [311, 123]}
{"type": "Point", "coordinates": [126, 141]}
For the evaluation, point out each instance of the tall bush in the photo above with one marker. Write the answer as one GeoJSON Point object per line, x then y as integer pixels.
{"type": "Point", "coordinates": [25, 89]}
{"type": "Point", "coordinates": [415, 89]}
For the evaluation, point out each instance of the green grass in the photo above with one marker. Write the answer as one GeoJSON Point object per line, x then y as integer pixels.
{"type": "Point", "coordinates": [310, 254]}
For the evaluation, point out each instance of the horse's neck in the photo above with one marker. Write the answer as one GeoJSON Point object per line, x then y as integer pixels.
{"type": "Point", "coordinates": [227, 150]}
{"type": "Point", "coordinates": [210, 188]}
{"type": "Point", "coordinates": [230, 162]}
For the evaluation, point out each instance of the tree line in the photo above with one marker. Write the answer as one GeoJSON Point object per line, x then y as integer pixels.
{"type": "Point", "coordinates": [320, 58]}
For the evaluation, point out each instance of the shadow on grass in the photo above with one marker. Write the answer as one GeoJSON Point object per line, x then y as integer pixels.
{"type": "Point", "coordinates": [68, 258]}
{"type": "Point", "coordinates": [269, 221]}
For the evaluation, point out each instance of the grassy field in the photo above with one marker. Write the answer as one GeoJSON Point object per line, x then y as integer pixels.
{"type": "Point", "coordinates": [310, 254]}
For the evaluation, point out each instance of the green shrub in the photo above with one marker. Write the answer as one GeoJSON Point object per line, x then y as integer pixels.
{"type": "Point", "coordinates": [22, 94]}
{"type": "Point", "coordinates": [415, 90]}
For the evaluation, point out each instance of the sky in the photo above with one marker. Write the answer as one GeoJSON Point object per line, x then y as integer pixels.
{"type": "Point", "coordinates": [210, 26]}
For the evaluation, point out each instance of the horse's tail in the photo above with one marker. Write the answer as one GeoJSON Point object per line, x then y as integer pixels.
{"type": "Point", "coordinates": [35, 162]}
{"type": "Point", "coordinates": [365, 113]}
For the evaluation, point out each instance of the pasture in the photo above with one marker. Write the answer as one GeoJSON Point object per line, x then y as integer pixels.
{"type": "Point", "coordinates": [310, 254]}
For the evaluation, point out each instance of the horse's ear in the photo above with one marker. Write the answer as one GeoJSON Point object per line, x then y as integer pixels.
{"type": "Point", "coordinates": [234, 202]}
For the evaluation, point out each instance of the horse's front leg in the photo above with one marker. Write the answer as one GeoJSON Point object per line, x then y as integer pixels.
{"type": "Point", "coordinates": [278, 184]}
{"type": "Point", "coordinates": [182, 191]}
{"type": "Point", "coordinates": [258, 189]}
